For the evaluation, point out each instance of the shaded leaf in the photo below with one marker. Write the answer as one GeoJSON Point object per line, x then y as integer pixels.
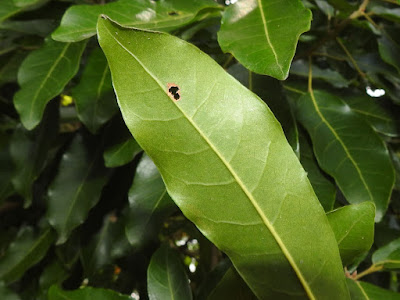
{"type": "Point", "coordinates": [8, 9]}
{"type": "Point", "coordinates": [348, 149]}
{"type": "Point", "coordinates": [79, 22]}
{"type": "Point", "coordinates": [7, 167]}
{"type": "Point", "coordinates": [42, 76]}
{"type": "Point", "coordinates": [149, 204]}
{"type": "Point", "coordinates": [9, 67]}
{"type": "Point", "coordinates": [55, 293]}
{"type": "Point", "coordinates": [53, 273]}
{"type": "Point", "coordinates": [25, 251]}
{"type": "Point", "coordinates": [389, 47]}
{"type": "Point", "coordinates": [226, 163]}
{"type": "Point", "coordinates": [388, 256]}
{"type": "Point", "coordinates": [392, 14]}
{"type": "Point", "coordinates": [24, 3]}
{"type": "Point", "coordinates": [77, 186]}
{"type": "Point", "coordinates": [252, 31]}
{"type": "Point", "coordinates": [40, 27]}
{"type": "Point", "coordinates": [94, 96]}
{"type": "Point", "coordinates": [166, 276]}
{"type": "Point", "coordinates": [7, 294]}
{"type": "Point", "coordinates": [323, 187]}
{"type": "Point", "coordinates": [360, 290]}
{"type": "Point", "coordinates": [353, 226]}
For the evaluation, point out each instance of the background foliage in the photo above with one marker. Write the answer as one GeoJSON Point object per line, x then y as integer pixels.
{"type": "Point", "coordinates": [83, 211]}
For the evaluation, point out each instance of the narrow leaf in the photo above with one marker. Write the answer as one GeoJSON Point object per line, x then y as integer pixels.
{"type": "Point", "coordinates": [79, 21]}
{"type": "Point", "coordinates": [94, 96]}
{"type": "Point", "coordinates": [55, 293]}
{"type": "Point", "coordinates": [27, 250]}
{"type": "Point", "coordinates": [348, 149]}
{"type": "Point", "coordinates": [166, 277]}
{"type": "Point", "coordinates": [388, 256]}
{"type": "Point", "coordinates": [366, 291]}
{"type": "Point", "coordinates": [77, 186]}
{"type": "Point", "coordinates": [353, 226]}
{"type": "Point", "coordinates": [252, 31]}
{"type": "Point", "coordinates": [225, 162]}
{"type": "Point", "coordinates": [42, 76]}
{"type": "Point", "coordinates": [149, 203]}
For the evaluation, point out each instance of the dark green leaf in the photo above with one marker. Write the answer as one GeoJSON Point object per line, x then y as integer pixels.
{"type": "Point", "coordinates": [55, 293]}
{"type": "Point", "coordinates": [149, 203]}
{"type": "Point", "coordinates": [79, 22]}
{"type": "Point", "coordinates": [392, 14]}
{"type": "Point", "coordinates": [8, 9]}
{"type": "Point", "coordinates": [389, 47]}
{"type": "Point", "coordinates": [24, 3]}
{"type": "Point", "coordinates": [225, 161]}
{"type": "Point", "coordinates": [94, 96]}
{"type": "Point", "coordinates": [166, 277]}
{"type": "Point", "coordinates": [252, 31]}
{"type": "Point", "coordinates": [353, 226]}
{"type": "Point", "coordinates": [53, 273]}
{"type": "Point", "coordinates": [7, 294]}
{"type": "Point", "coordinates": [77, 186]}
{"type": "Point", "coordinates": [366, 291]}
{"type": "Point", "coordinates": [7, 167]}
{"type": "Point", "coordinates": [9, 67]}
{"type": "Point", "coordinates": [42, 76]}
{"type": "Point", "coordinates": [323, 187]}
{"type": "Point", "coordinates": [27, 250]}
{"type": "Point", "coordinates": [388, 256]}
{"type": "Point", "coordinates": [36, 27]}
{"type": "Point", "coordinates": [348, 149]}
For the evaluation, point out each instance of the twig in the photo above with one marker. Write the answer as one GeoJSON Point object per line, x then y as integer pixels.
{"type": "Point", "coordinates": [371, 269]}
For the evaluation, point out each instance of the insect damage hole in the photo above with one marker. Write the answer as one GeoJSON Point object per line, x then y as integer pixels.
{"type": "Point", "coordinates": [174, 91]}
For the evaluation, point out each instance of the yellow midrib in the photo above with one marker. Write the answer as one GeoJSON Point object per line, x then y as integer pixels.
{"type": "Point", "coordinates": [362, 290]}
{"type": "Point", "coordinates": [265, 220]}
{"type": "Point", "coordinates": [341, 143]}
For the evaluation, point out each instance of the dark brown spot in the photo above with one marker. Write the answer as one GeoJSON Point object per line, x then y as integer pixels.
{"type": "Point", "coordinates": [173, 13]}
{"type": "Point", "coordinates": [174, 91]}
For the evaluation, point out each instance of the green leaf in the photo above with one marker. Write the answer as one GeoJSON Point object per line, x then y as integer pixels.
{"type": "Point", "coordinates": [8, 9]}
{"type": "Point", "coordinates": [42, 27]}
{"type": "Point", "coordinates": [9, 67]}
{"type": "Point", "coordinates": [149, 203]}
{"type": "Point", "coordinates": [388, 256]}
{"type": "Point", "coordinates": [252, 31]}
{"type": "Point", "coordinates": [121, 153]}
{"type": "Point", "coordinates": [323, 187]}
{"type": "Point", "coordinates": [77, 186]}
{"type": "Point", "coordinates": [353, 226]}
{"type": "Point", "coordinates": [24, 3]}
{"type": "Point", "coordinates": [7, 294]}
{"type": "Point", "coordinates": [7, 167]}
{"type": "Point", "coordinates": [53, 273]}
{"type": "Point", "coordinates": [389, 47]}
{"type": "Point", "coordinates": [27, 249]}
{"type": "Point", "coordinates": [348, 149]}
{"type": "Point", "coordinates": [166, 276]}
{"type": "Point", "coordinates": [381, 119]}
{"type": "Point", "coordinates": [94, 96]}
{"type": "Point", "coordinates": [392, 14]}
{"type": "Point", "coordinates": [42, 76]}
{"type": "Point", "coordinates": [225, 162]}
{"type": "Point", "coordinates": [79, 21]}
{"type": "Point", "coordinates": [55, 293]}
{"type": "Point", "coordinates": [366, 291]}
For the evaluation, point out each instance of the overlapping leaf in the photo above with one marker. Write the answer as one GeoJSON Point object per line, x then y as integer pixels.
{"type": "Point", "coordinates": [79, 22]}
{"type": "Point", "coordinates": [360, 290]}
{"type": "Point", "coordinates": [42, 76]}
{"type": "Point", "coordinates": [56, 293]}
{"type": "Point", "coordinates": [388, 256]}
{"type": "Point", "coordinates": [253, 31]}
{"type": "Point", "coordinates": [226, 163]}
{"type": "Point", "coordinates": [348, 149]}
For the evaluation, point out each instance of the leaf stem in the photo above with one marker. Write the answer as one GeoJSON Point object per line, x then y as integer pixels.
{"type": "Point", "coordinates": [310, 74]}
{"type": "Point", "coordinates": [227, 62]}
{"type": "Point", "coordinates": [372, 269]}
{"type": "Point", "coordinates": [361, 73]}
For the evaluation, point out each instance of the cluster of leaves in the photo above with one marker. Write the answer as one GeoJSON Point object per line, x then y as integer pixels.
{"type": "Point", "coordinates": [85, 212]}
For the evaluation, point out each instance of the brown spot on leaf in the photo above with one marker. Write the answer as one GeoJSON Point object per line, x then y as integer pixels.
{"type": "Point", "coordinates": [174, 92]}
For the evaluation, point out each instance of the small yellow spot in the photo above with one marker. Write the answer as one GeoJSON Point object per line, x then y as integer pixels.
{"type": "Point", "coordinates": [66, 100]}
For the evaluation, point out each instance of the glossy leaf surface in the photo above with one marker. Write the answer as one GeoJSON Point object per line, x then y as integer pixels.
{"type": "Point", "coordinates": [348, 149]}
{"type": "Point", "coordinates": [42, 76]}
{"type": "Point", "coordinates": [25, 251]}
{"type": "Point", "coordinates": [76, 188]}
{"type": "Point", "coordinates": [226, 163]}
{"type": "Point", "coordinates": [55, 293]}
{"type": "Point", "coordinates": [388, 256]}
{"type": "Point", "coordinates": [253, 31]}
{"type": "Point", "coordinates": [149, 203]}
{"type": "Point", "coordinates": [94, 97]}
{"type": "Point", "coordinates": [353, 226]}
{"type": "Point", "coordinates": [79, 22]}
{"type": "Point", "coordinates": [366, 291]}
{"type": "Point", "coordinates": [166, 276]}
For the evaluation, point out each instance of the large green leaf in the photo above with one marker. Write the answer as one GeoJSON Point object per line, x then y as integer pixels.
{"type": "Point", "coordinates": [263, 34]}
{"type": "Point", "coordinates": [79, 22]}
{"type": "Point", "coordinates": [388, 256]}
{"type": "Point", "coordinates": [366, 291]}
{"type": "Point", "coordinates": [166, 276]}
{"type": "Point", "coordinates": [149, 203]}
{"type": "Point", "coordinates": [94, 97]}
{"type": "Point", "coordinates": [42, 76]}
{"type": "Point", "coordinates": [323, 187]}
{"type": "Point", "coordinates": [226, 163]}
{"type": "Point", "coordinates": [55, 293]}
{"type": "Point", "coordinates": [353, 226]}
{"type": "Point", "coordinates": [348, 149]}
{"type": "Point", "coordinates": [25, 251]}
{"type": "Point", "coordinates": [77, 186]}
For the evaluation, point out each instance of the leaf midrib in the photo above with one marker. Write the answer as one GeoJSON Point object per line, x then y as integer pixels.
{"type": "Point", "coordinates": [362, 290]}
{"type": "Point", "coordinates": [265, 220]}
